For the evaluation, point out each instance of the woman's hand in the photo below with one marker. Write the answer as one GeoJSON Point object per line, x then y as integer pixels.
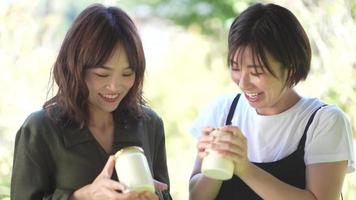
{"type": "Point", "coordinates": [160, 185]}
{"type": "Point", "coordinates": [205, 142]}
{"type": "Point", "coordinates": [105, 188]}
{"type": "Point", "coordinates": [233, 146]}
{"type": "Point", "coordinates": [152, 196]}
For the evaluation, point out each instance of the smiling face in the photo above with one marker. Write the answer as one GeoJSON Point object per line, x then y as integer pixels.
{"type": "Point", "coordinates": [109, 84]}
{"type": "Point", "coordinates": [265, 92]}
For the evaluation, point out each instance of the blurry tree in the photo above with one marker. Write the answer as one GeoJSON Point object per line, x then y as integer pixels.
{"type": "Point", "coordinates": [210, 17]}
{"type": "Point", "coordinates": [190, 71]}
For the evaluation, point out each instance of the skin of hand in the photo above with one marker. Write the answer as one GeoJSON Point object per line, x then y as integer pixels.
{"type": "Point", "coordinates": [105, 188]}
{"type": "Point", "coordinates": [232, 146]}
{"type": "Point", "coordinates": [160, 186]}
{"type": "Point", "coordinates": [320, 184]}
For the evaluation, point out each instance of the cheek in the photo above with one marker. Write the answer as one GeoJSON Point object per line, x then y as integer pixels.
{"type": "Point", "coordinates": [92, 85]}
{"type": "Point", "coordinates": [235, 77]}
{"type": "Point", "coordinates": [130, 82]}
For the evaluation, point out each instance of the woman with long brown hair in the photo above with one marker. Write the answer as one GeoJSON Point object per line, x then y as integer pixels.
{"type": "Point", "coordinates": [64, 150]}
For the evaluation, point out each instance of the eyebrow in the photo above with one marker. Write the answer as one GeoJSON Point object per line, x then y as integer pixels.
{"type": "Point", "coordinates": [248, 66]}
{"type": "Point", "coordinates": [106, 67]}
{"type": "Point", "coordinates": [110, 68]}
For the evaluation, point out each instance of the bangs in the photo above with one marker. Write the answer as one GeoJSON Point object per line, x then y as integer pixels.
{"type": "Point", "coordinates": [258, 53]}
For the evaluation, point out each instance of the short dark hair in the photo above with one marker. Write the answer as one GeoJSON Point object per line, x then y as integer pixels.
{"type": "Point", "coordinates": [89, 43]}
{"type": "Point", "coordinates": [272, 28]}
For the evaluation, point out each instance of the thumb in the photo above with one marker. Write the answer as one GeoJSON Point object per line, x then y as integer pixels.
{"type": "Point", "coordinates": [160, 185]}
{"type": "Point", "coordinates": [109, 167]}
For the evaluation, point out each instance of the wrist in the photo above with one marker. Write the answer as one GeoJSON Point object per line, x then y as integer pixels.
{"type": "Point", "coordinates": [80, 194]}
{"type": "Point", "coordinates": [243, 169]}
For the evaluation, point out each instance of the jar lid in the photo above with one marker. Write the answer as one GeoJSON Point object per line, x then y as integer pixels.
{"type": "Point", "coordinates": [129, 149]}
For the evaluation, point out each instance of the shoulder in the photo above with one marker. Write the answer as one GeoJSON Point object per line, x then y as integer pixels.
{"type": "Point", "coordinates": [332, 111]}
{"type": "Point", "coordinates": [214, 114]}
{"type": "Point", "coordinates": [327, 112]}
{"type": "Point", "coordinates": [225, 99]}
{"type": "Point", "coordinates": [329, 121]}
{"type": "Point", "coordinates": [35, 128]}
{"type": "Point", "coordinates": [220, 103]}
{"type": "Point", "coordinates": [37, 119]}
{"type": "Point", "coordinates": [150, 118]}
{"type": "Point", "coordinates": [149, 114]}
{"type": "Point", "coordinates": [333, 115]}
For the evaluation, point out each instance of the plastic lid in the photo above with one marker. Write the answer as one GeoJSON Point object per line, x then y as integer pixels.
{"type": "Point", "coordinates": [130, 149]}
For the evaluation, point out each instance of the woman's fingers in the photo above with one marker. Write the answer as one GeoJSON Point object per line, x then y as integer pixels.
{"type": "Point", "coordinates": [108, 168]}
{"type": "Point", "coordinates": [234, 130]}
{"type": "Point", "coordinates": [207, 130]}
{"type": "Point", "coordinates": [148, 196]}
{"type": "Point", "coordinates": [205, 141]}
{"type": "Point", "coordinates": [160, 185]}
{"type": "Point", "coordinates": [114, 185]}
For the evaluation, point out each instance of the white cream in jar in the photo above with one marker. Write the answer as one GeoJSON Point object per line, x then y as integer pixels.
{"type": "Point", "coordinates": [132, 169]}
{"type": "Point", "coordinates": [214, 165]}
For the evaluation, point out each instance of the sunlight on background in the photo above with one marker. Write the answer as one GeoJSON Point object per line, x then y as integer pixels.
{"type": "Point", "coordinates": [186, 67]}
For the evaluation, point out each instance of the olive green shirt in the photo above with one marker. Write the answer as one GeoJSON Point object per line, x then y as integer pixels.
{"type": "Point", "coordinates": [53, 159]}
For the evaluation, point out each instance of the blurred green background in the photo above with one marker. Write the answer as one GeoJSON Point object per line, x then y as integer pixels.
{"type": "Point", "coordinates": [185, 45]}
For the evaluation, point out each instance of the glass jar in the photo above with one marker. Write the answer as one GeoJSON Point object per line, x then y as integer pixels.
{"type": "Point", "coordinates": [215, 165]}
{"type": "Point", "coordinates": [132, 169]}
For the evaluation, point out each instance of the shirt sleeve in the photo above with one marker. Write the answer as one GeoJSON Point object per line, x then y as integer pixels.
{"type": "Point", "coordinates": [331, 139]}
{"type": "Point", "coordinates": [160, 170]}
{"type": "Point", "coordinates": [31, 177]}
{"type": "Point", "coordinates": [214, 115]}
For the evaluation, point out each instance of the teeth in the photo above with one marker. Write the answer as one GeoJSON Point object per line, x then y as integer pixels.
{"type": "Point", "coordinates": [110, 96]}
{"type": "Point", "coordinates": [252, 95]}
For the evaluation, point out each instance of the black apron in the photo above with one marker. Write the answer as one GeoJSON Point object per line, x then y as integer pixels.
{"type": "Point", "coordinates": [290, 169]}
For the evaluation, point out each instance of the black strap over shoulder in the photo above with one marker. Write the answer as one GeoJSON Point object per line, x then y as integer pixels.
{"type": "Point", "coordinates": [232, 109]}
{"type": "Point", "coordinates": [311, 118]}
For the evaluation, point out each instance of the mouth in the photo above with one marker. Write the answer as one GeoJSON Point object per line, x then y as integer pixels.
{"type": "Point", "coordinates": [253, 96]}
{"type": "Point", "coordinates": [110, 97]}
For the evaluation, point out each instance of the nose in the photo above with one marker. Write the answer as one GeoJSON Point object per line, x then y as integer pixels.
{"type": "Point", "coordinates": [113, 84]}
{"type": "Point", "coordinates": [244, 80]}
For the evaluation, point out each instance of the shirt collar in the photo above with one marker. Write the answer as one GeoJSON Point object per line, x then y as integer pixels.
{"type": "Point", "coordinates": [72, 137]}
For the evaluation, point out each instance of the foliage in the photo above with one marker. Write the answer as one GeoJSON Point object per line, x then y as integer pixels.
{"type": "Point", "coordinates": [186, 65]}
{"type": "Point", "coordinates": [209, 17]}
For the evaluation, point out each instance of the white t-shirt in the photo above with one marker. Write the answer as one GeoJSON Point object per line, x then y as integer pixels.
{"type": "Point", "coordinates": [271, 138]}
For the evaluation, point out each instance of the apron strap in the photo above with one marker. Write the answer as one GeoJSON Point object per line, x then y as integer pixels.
{"type": "Point", "coordinates": [301, 144]}
{"type": "Point", "coordinates": [232, 109]}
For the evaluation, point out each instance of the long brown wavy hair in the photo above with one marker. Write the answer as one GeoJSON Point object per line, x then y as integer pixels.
{"type": "Point", "coordinates": [88, 43]}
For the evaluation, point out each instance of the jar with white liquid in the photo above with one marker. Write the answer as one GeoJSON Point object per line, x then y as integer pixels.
{"type": "Point", "coordinates": [215, 165]}
{"type": "Point", "coordinates": [132, 169]}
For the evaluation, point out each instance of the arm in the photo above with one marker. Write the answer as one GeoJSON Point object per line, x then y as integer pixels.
{"type": "Point", "coordinates": [160, 170]}
{"type": "Point", "coordinates": [105, 188]}
{"type": "Point", "coordinates": [320, 183]}
{"type": "Point", "coordinates": [31, 178]}
{"type": "Point", "coordinates": [33, 174]}
{"type": "Point", "coordinates": [201, 187]}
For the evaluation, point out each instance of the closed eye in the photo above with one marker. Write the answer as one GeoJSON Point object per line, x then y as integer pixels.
{"type": "Point", "coordinates": [235, 69]}
{"type": "Point", "coordinates": [101, 75]}
{"type": "Point", "coordinates": [256, 74]}
{"type": "Point", "coordinates": [258, 71]}
{"type": "Point", "coordinates": [128, 73]}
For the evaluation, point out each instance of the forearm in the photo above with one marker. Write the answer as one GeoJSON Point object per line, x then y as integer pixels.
{"type": "Point", "coordinates": [270, 187]}
{"type": "Point", "coordinates": [203, 188]}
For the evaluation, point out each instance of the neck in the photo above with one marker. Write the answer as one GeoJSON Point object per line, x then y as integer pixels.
{"type": "Point", "coordinates": [289, 99]}
{"type": "Point", "coordinates": [100, 120]}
